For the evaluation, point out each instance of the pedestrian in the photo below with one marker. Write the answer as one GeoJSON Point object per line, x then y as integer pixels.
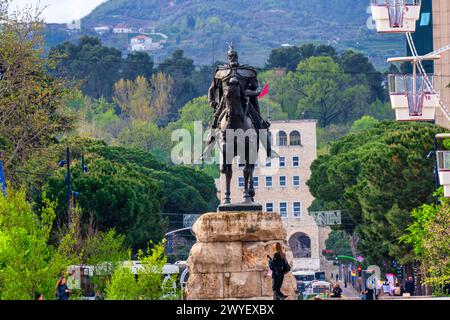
{"type": "Point", "coordinates": [99, 296]}
{"type": "Point", "coordinates": [398, 290]}
{"type": "Point", "coordinates": [62, 291]}
{"type": "Point", "coordinates": [279, 267]}
{"type": "Point", "coordinates": [332, 276]}
{"type": "Point", "coordinates": [362, 295]}
{"type": "Point", "coordinates": [369, 294]}
{"type": "Point", "coordinates": [409, 286]}
{"type": "Point", "coordinates": [337, 277]}
{"type": "Point", "coordinates": [337, 291]}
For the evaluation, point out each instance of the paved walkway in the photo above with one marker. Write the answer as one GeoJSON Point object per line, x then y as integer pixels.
{"type": "Point", "coordinates": [349, 292]}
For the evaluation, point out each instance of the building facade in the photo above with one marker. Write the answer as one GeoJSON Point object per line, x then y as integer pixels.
{"type": "Point", "coordinates": [433, 33]}
{"type": "Point", "coordinates": [280, 186]}
{"type": "Point", "coordinates": [441, 38]}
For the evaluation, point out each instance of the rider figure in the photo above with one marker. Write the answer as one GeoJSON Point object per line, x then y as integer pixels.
{"type": "Point", "coordinates": [248, 80]}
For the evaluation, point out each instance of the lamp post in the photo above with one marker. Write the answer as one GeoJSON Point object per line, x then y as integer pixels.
{"type": "Point", "coordinates": [71, 195]}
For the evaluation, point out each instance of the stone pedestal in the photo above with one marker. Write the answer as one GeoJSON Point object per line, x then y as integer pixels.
{"type": "Point", "coordinates": [229, 260]}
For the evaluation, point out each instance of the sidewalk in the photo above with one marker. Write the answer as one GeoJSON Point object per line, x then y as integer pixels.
{"type": "Point", "coordinates": [349, 292]}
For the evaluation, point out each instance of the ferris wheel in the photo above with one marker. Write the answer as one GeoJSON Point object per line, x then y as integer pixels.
{"type": "Point", "coordinates": [413, 96]}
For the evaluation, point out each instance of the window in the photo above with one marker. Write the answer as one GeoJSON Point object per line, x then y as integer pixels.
{"type": "Point", "coordinates": [283, 209]}
{"type": "Point", "coordinates": [296, 181]}
{"type": "Point", "coordinates": [297, 209]}
{"type": "Point", "coordinates": [268, 162]}
{"type": "Point", "coordinates": [240, 182]}
{"type": "Point", "coordinates": [282, 162]}
{"type": "Point", "coordinates": [296, 161]}
{"type": "Point", "coordinates": [282, 139]}
{"type": "Point", "coordinates": [269, 182]}
{"type": "Point", "coordinates": [300, 245]}
{"type": "Point", "coordinates": [255, 182]}
{"type": "Point", "coordinates": [425, 19]}
{"type": "Point", "coordinates": [295, 139]}
{"type": "Point", "coordinates": [282, 181]}
{"type": "Point", "coordinates": [269, 206]}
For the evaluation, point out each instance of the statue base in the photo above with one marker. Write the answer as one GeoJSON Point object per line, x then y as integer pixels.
{"type": "Point", "coordinates": [229, 260]}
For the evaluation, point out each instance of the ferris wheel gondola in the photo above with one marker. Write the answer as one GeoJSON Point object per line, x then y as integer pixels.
{"type": "Point", "coordinates": [395, 16]}
{"type": "Point", "coordinates": [412, 96]}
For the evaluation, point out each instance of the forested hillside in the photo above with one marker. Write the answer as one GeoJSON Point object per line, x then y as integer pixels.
{"type": "Point", "coordinates": [255, 27]}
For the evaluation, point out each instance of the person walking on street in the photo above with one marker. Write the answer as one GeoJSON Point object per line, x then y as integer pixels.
{"type": "Point", "coordinates": [337, 277]}
{"type": "Point", "coordinates": [362, 295]}
{"type": "Point", "coordinates": [369, 294]}
{"type": "Point", "coordinates": [409, 286]}
{"type": "Point", "coordinates": [398, 290]}
{"type": "Point", "coordinates": [337, 291]}
{"type": "Point", "coordinates": [62, 291]}
{"type": "Point", "coordinates": [279, 267]}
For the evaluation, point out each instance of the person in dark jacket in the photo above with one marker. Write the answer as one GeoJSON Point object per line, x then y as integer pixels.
{"type": "Point", "coordinates": [62, 291]}
{"type": "Point", "coordinates": [398, 290]}
{"type": "Point", "coordinates": [409, 286]}
{"type": "Point", "coordinates": [337, 291]}
{"type": "Point", "coordinates": [279, 267]}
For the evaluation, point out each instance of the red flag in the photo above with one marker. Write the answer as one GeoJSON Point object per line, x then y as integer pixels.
{"type": "Point", "coordinates": [264, 92]}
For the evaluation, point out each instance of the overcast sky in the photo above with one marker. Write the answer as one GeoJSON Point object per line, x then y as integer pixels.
{"type": "Point", "coordinates": [61, 10]}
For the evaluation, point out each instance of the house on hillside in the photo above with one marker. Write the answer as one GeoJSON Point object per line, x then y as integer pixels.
{"type": "Point", "coordinates": [143, 43]}
{"type": "Point", "coordinates": [75, 25]}
{"type": "Point", "coordinates": [102, 29]}
{"type": "Point", "coordinates": [122, 28]}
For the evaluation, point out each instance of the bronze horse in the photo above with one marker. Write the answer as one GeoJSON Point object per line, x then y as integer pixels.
{"type": "Point", "coordinates": [238, 137]}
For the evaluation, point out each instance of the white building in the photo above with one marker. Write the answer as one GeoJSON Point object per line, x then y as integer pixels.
{"type": "Point", "coordinates": [75, 25]}
{"type": "Point", "coordinates": [102, 29]}
{"type": "Point", "coordinates": [143, 43]}
{"type": "Point", "coordinates": [122, 28]}
{"type": "Point", "coordinates": [280, 186]}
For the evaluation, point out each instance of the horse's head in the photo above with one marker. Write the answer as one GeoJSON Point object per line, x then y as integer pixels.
{"type": "Point", "coordinates": [233, 93]}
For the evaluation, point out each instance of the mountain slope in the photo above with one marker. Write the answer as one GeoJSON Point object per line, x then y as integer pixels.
{"type": "Point", "coordinates": [254, 26]}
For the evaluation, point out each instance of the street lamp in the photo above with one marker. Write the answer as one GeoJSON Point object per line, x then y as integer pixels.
{"type": "Point", "coordinates": [71, 194]}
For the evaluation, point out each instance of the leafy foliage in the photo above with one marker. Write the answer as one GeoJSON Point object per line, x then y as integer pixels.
{"type": "Point", "coordinates": [429, 234]}
{"type": "Point", "coordinates": [335, 89]}
{"type": "Point", "coordinates": [150, 278]}
{"type": "Point", "coordinates": [339, 242]}
{"type": "Point", "coordinates": [126, 189]}
{"type": "Point", "coordinates": [32, 112]}
{"type": "Point", "coordinates": [378, 176]}
{"type": "Point", "coordinates": [28, 263]}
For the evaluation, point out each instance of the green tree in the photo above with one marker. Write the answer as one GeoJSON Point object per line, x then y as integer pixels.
{"type": "Point", "coordinates": [289, 57]}
{"type": "Point", "coordinates": [324, 93]}
{"type": "Point", "coordinates": [32, 113]}
{"type": "Point", "coordinates": [339, 242]}
{"type": "Point", "coordinates": [365, 123]}
{"type": "Point", "coordinates": [363, 71]}
{"type": "Point", "coordinates": [28, 263]}
{"type": "Point", "coordinates": [378, 176]}
{"type": "Point", "coordinates": [429, 234]}
{"type": "Point", "coordinates": [137, 64]}
{"type": "Point", "coordinates": [150, 278]}
{"type": "Point", "coordinates": [97, 67]}
{"type": "Point", "coordinates": [125, 188]}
